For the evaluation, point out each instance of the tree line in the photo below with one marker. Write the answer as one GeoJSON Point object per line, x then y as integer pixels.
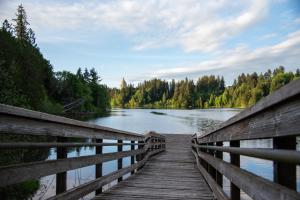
{"type": "Point", "coordinates": [206, 92]}
{"type": "Point", "coordinates": [27, 79]}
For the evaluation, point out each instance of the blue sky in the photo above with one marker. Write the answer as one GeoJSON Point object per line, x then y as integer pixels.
{"type": "Point", "coordinates": [167, 39]}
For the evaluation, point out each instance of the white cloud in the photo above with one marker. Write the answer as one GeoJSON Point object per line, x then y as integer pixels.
{"type": "Point", "coordinates": [285, 53]}
{"type": "Point", "coordinates": [297, 21]}
{"type": "Point", "coordinates": [268, 36]}
{"type": "Point", "coordinates": [194, 25]}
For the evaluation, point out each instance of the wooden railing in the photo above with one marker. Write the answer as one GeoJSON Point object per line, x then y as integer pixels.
{"type": "Point", "coordinates": [277, 117]}
{"type": "Point", "coordinates": [15, 120]}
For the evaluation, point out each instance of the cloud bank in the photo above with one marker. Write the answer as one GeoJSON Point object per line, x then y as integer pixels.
{"type": "Point", "coordinates": [193, 25]}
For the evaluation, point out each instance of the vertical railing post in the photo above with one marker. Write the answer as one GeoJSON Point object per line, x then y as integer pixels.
{"type": "Point", "coordinates": [120, 160]}
{"type": "Point", "coordinates": [205, 163]}
{"type": "Point", "coordinates": [219, 154]}
{"type": "Point", "coordinates": [140, 156]}
{"type": "Point", "coordinates": [211, 169]}
{"type": "Point", "coordinates": [152, 140]}
{"type": "Point", "coordinates": [158, 140]}
{"type": "Point", "coordinates": [202, 162]}
{"type": "Point", "coordinates": [285, 173]}
{"type": "Point", "coordinates": [132, 157]}
{"type": "Point", "coordinates": [98, 167]}
{"type": "Point", "coordinates": [61, 178]}
{"type": "Point", "coordinates": [235, 160]}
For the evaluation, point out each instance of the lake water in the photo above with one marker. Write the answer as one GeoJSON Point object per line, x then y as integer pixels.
{"type": "Point", "coordinates": [162, 121]}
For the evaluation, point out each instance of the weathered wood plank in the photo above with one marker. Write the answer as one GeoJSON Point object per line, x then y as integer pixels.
{"type": "Point", "coordinates": [84, 189]}
{"type": "Point", "coordinates": [23, 121]}
{"type": "Point", "coordinates": [256, 187]}
{"type": "Point", "coordinates": [217, 190]}
{"type": "Point", "coordinates": [170, 175]}
{"type": "Point", "coordinates": [283, 155]}
{"type": "Point", "coordinates": [31, 145]}
{"type": "Point", "coordinates": [28, 171]}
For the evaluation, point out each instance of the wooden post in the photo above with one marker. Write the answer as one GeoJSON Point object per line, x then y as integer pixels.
{"type": "Point", "coordinates": [205, 163]}
{"type": "Point", "coordinates": [98, 167]}
{"type": "Point", "coordinates": [132, 157]}
{"type": "Point", "coordinates": [152, 141]}
{"type": "Point", "coordinates": [140, 156]}
{"type": "Point", "coordinates": [158, 140]}
{"type": "Point", "coordinates": [211, 169]}
{"type": "Point", "coordinates": [219, 154]}
{"type": "Point", "coordinates": [235, 160]}
{"type": "Point", "coordinates": [285, 173]}
{"type": "Point", "coordinates": [61, 178]}
{"type": "Point", "coordinates": [120, 160]}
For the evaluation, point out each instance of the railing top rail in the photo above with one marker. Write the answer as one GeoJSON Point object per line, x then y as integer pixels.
{"type": "Point", "coordinates": [286, 92]}
{"type": "Point", "coordinates": [39, 116]}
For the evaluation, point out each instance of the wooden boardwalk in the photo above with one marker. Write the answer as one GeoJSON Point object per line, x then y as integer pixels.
{"type": "Point", "coordinates": [172, 174]}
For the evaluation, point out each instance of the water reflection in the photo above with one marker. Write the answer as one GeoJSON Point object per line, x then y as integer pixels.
{"type": "Point", "coordinates": [171, 121]}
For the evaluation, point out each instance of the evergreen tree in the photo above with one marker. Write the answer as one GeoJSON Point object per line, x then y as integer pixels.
{"type": "Point", "coordinates": [20, 28]}
{"type": "Point", "coordinates": [123, 94]}
{"type": "Point", "coordinates": [31, 37]}
{"type": "Point", "coordinates": [7, 27]}
{"type": "Point", "coordinates": [86, 75]}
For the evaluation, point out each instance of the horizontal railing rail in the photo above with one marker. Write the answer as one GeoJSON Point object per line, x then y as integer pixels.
{"type": "Point", "coordinates": [19, 121]}
{"type": "Point", "coordinates": [276, 117]}
{"type": "Point", "coordinates": [23, 121]}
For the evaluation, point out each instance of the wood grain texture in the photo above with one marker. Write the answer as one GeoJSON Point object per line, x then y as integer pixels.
{"type": "Point", "coordinates": [24, 121]}
{"type": "Point", "coordinates": [29, 171]}
{"type": "Point", "coordinates": [86, 188]}
{"type": "Point", "coordinates": [256, 187]}
{"type": "Point", "coordinates": [172, 174]}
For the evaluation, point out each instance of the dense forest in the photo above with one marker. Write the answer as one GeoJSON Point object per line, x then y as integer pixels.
{"type": "Point", "coordinates": [27, 79]}
{"type": "Point", "coordinates": [206, 92]}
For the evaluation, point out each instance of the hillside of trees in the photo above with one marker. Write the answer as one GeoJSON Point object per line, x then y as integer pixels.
{"type": "Point", "coordinates": [206, 92]}
{"type": "Point", "coordinates": [27, 79]}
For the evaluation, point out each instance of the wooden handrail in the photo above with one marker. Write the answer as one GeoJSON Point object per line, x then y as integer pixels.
{"type": "Point", "coordinates": [28, 171]}
{"type": "Point", "coordinates": [15, 120]}
{"type": "Point", "coordinates": [82, 190]}
{"type": "Point", "coordinates": [275, 117]}
{"type": "Point", "coordinates": [23, 121]}
{"type": "Point", "coordinates": [287, 156]}
{"type": "Point", "coordinates": [255, 186]}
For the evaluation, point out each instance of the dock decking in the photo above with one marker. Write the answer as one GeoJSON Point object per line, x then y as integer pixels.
{"type": "Point", "coordinates": [172, 174]}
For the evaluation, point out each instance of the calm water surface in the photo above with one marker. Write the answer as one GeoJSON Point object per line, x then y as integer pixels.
{"type": "Point", "coordinates": [162, 121]}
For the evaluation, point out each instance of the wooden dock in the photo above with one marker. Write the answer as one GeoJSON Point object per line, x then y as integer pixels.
{"type": "Point", "coordinates": [165, 166]}
{"type": "Point", "coordinates": [172, 174]}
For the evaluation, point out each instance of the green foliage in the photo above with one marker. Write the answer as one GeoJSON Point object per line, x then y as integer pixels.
{"type": "Point", "coordinates": [208, 92]}
{"type": "Point", "coordinates": [22, 190]}
{"type": "Point", "coordinates": [27, 78]}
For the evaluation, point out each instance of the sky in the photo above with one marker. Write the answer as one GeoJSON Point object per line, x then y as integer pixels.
{"type": "Point", "coordinates": [168, 39]}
